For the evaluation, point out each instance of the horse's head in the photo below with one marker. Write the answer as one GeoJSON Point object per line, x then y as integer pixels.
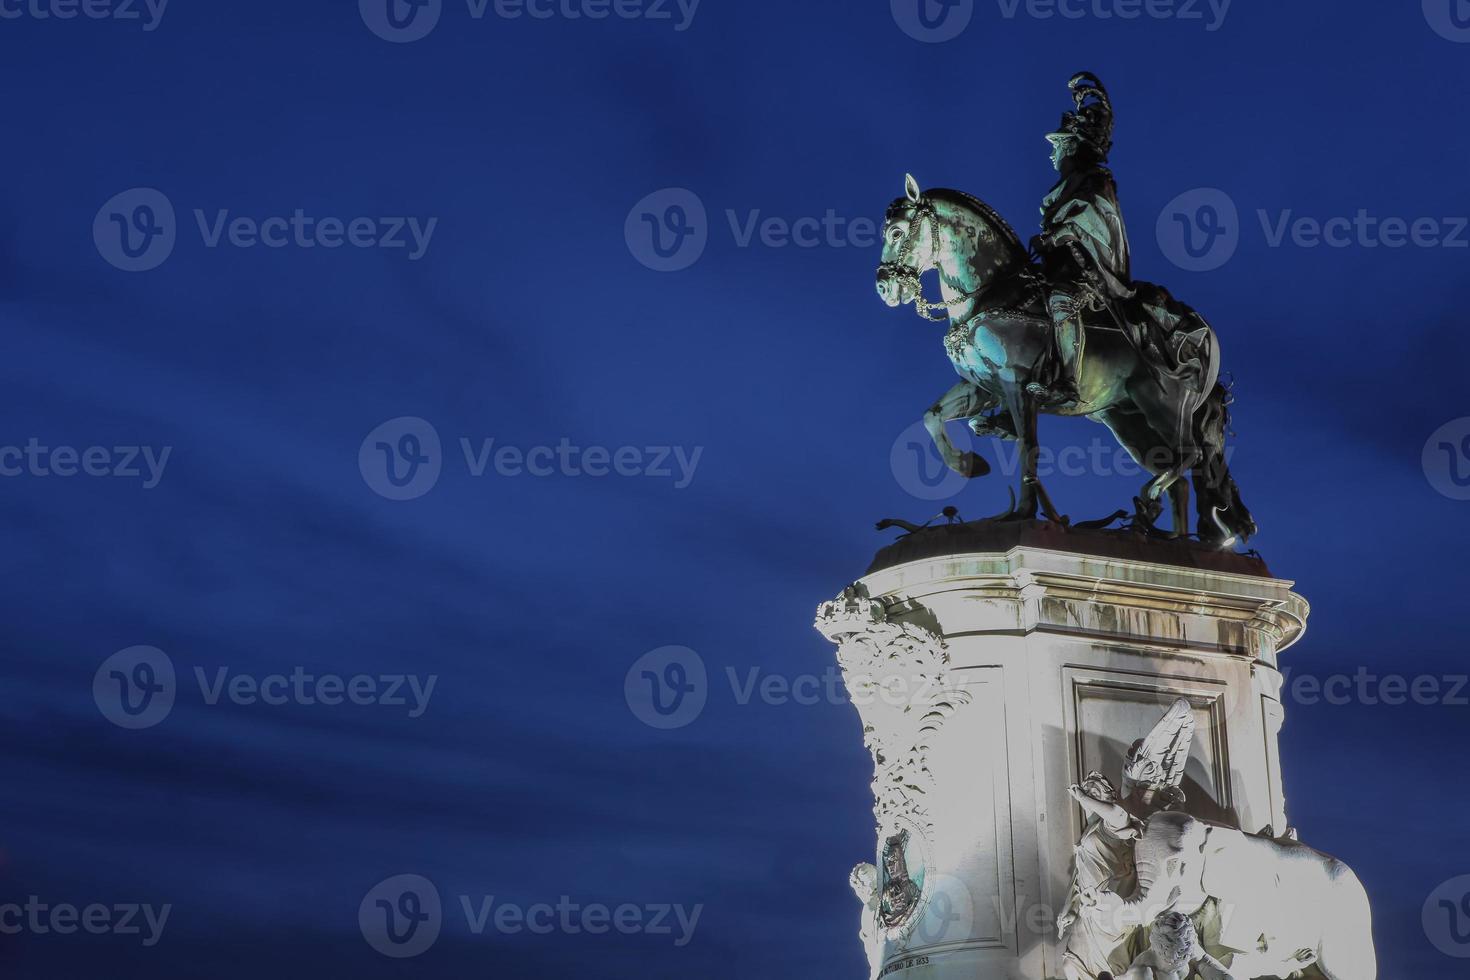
{"type": "Point", "coordinates": [946, 230]}
{"type": "Point", "coordinates": [910, 245]}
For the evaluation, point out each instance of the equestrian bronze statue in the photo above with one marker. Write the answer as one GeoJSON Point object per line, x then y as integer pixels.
{"type": "Point", "coordinates": [1063, 329]}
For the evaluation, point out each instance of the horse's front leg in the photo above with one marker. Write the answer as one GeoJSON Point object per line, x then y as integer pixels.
{"type": "Point", "coordinates": [1025, 408]}
{"type": "Point", "coordinates": [963, 401]}
{"type": "Point", "coordinates": [1026, 425]}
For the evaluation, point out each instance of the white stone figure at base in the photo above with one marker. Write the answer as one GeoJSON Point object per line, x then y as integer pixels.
{"type": "Point", "coordinates": [864, 881]}
{"type": "Point", "coordinates": [1095, 943]}
{"type": "Point", "coordinates": [1174, 953]}
{"type": "Point", "coordinates": [1286, 905]}
{"type": "Point", "coordinates": [1103, 862]}
{"type": "Point", "coordinates": [1283, 906]}
{"type": "Point", "coordinates": [990, 668]}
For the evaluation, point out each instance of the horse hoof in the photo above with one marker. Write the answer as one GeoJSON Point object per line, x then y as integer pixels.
{"type": "Point", "coordinates": [973, 465]}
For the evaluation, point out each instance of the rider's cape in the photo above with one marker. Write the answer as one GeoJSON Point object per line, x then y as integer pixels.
{"type": "Point", "coordinates": [1171, 336]}
{"type": "Point", "coordinates": [1083, 210]}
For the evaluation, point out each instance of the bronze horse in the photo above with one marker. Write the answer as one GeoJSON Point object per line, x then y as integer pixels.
{"type": "Point", "coordinates": [1156, 387]}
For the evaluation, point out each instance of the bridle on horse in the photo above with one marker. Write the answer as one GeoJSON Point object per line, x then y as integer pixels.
{"type": "Point", "coordinates": [906, 273]}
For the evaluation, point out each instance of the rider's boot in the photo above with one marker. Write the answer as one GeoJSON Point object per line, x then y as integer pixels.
{"type": "Point", "coordinates": [1070, 338]}
{"type": "Point", "coordinates": [1069, 346]}
{"type": "Point", "coordinates": [1067, 320]}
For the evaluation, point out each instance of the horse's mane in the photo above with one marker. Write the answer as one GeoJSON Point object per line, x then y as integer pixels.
{"type": "Point", "coordinates": [985, 211]}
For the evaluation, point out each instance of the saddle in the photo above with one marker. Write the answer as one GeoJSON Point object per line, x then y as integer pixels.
{"type": "Point", "coordinates": [1170, 336]}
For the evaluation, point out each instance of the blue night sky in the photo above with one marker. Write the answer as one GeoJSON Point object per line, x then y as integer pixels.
{"type": "Point", "coordinates": [757, 396]}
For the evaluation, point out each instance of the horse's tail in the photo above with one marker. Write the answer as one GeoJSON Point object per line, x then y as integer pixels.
{"type": "Point", "coordinates": [1223, 517]}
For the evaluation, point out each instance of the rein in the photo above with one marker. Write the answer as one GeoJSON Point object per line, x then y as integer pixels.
{"type": "Point", "coordinates": [906, 273]}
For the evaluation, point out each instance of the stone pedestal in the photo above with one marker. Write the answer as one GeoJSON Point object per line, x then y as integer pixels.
{"type": "Point", "coordinates": [995, 666]}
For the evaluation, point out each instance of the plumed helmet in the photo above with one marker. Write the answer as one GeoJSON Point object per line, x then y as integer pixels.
{"type": "Point", "coordinates": [1092, 122]}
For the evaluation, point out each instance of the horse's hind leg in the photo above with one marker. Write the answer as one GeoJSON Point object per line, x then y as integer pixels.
{"type": "Point", "coordinates": [1177, 454]}
{"type": "Point", "coordinates": [1179, 498]}
{"type": "Point", "coordinates": [1172, 480]}
{"type": "Point", "coordinates": [1147, 447]}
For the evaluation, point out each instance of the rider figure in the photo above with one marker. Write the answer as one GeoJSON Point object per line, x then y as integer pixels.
{"type": "Point", "coordinates": [1083, 245]}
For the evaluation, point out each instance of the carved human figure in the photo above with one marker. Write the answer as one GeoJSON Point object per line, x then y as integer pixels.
{"type": "Point", "coordinates": [1103, 862]}
{"type": "Point", "coordinates": [1083, 243]}
{"type": "Point", "coordinates": [1290, 905]}
{"type": "Point", "coordinates": [1098, 940]}
{"type": "Point", "coordinates": [900, 895]}
{"type": "Point", "coordinates": [1174, 953]}
{"type": "Point", "coordinates": [864, 881]}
